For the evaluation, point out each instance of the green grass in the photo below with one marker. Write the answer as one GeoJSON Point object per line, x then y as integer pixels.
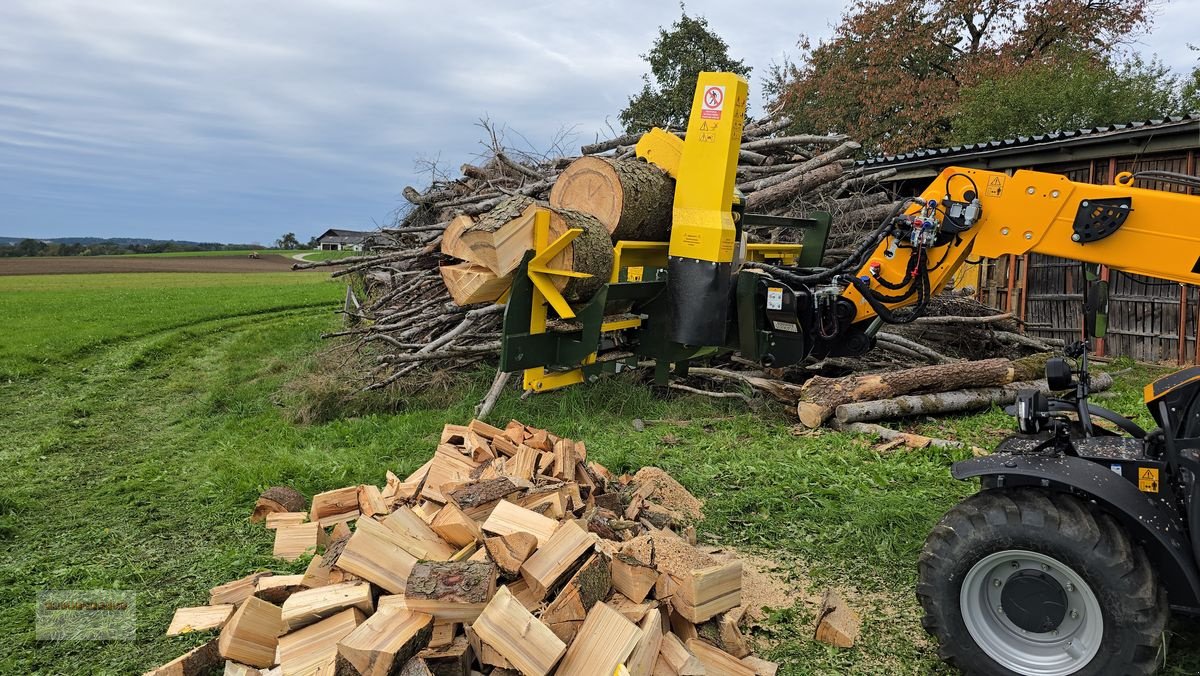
{"type": "Point", "coordinates": [134, 462]}
{"type": "Point", "coordinates": [49, 320]}
{"type": "Point", "coordinates": [330, 255]}
{"type": "Point", "coordinates": [191, 254]}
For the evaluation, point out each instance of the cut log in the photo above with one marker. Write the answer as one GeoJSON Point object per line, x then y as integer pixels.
{"type": "Point", "coordinates": [837, 623]}
{"type": "Point", "coordinates": [820, 396]}
{"type": "Point", "coordinates": [278, 499]}
{"type": "Point", "coordinates": [704, 592]}
{"type": "Point", "coordinates": [199, 618]}
{"type": "Point", "coordinates": [452, 244]}
{"type": "Point", "coordinates": [717, 661]}
{"type": "Point", "coordinates": [251, 635]}
{"type": "Point", "coordinates": [508, 518]}
{"type": "Point", "coordinates": [948, 402]}
{"type": "Point", "coordinates": [645, 653]}
{"type": "Point", "coordinates": [277, 519]}
{"type": "Point", "coordinates": [723, 632]}
{"type": "Point", "coordinates": [336, 505]}
{"type": "Point", "coordinates": [499, 239]}
{"type": "Point", "coordinates": [238, 669]}
{"type": "Point", "coordinates": [377, 559]}
{"type": "Point", "coordinates": [555, 557]}
{"type": "Point", "coordinates": [292, 542]}
{"type": "Point", "coordinates": [675, 659]}
{"type": "Point", "coordinates": [321, 570]}
{"type": "Point", "coordinates": [568, 610]}
{"type": "Point", "coordinates": [443, 634]}
{"type": "Point", "coordinates": [236, 591]}
{"type": "Point", "coordinates": [448, 466]}
{"type": "Point", "coordinates": [520, 637]}
{"type": "Point", "coordinates": [508, 552]}
{"type": "Point", "coordinates": [605, 640]}
{"type": "Point", "coordinates": [451, 660]}
{"type": "Point", "coordinates": [278, 588]}
{"type": "Point", "coordinates": [417, 537]}
{"type": "Point", "coordinates": [314, 649]}
{"type": "Point", "coordinates": [195, 662]}
{"type": "Point", "coordinates": [370, 501]}
{"type": "Point", "coordinates": [456, 591]}
{"type": "Point", "coordinates": [304, 608]}
{"type": "Point", "coordinates": [634, 612]}
{"type": "Point", "coordinates": [590, 253]}
{"type": "Point", "coordinates": [632, 198]}
{"type": "Point", "coordinates": [387, 639]}
{"type": "Point", "coordinates": [483, 492]}
{"type": "Point", "coordinates": [632, 577]}
{"type": "Point", "coordinates": [760, 666]}
{"type": "Point", "coordinates": [470, 284]}
{"type": "Point", "coordinates": [454, 526]}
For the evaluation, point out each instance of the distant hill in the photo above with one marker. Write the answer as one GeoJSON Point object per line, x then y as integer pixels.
{"type": "Point", "coordinates": [127, 241]}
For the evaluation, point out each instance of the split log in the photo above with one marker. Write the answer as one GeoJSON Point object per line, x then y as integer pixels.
{"type": "Point", "coordinates": [385, 641]}
{"type": "Point", "coordinates": [197, 661]}
{"type": "Point", "coordinates": [603, 642]}
{"type": "Point", "coordinates": [450, 660]}
{"type": "Point", "coordinates": [520, 637]}
{"type": "Point", "coordinates": [717, 661]}
{"type": "Point", "coordinates": [452, 244]}
{"type": "Point", "coordinates": [336, 505]}
{"type": "Point", "coordinates": [199, 618]}
{"type": "Point", "coordinates": [508, 518]}
{"type": "Point", "coordinates": [454, 526]}
{"type": "Point", "coordinates": [292, 542]}
{"type": "Point", "coordinates": [278, 499]}
{"type": "Point", "coordinates": [469, 283]}
{"type": "Point", "coordinates": [236, 591]}
{"type": "Point", "coordinates": [632, 577]}
{"type": "Point", "coordinates": [645, 654]}
{"type": "Point", "coordinates": [510, 551]}
{"type": "Point", "coordinates": [820, 396]}
{"type": "Point", "coordinates": [674, 658]}
{"type": "Point", "coordinates": [587, 587]}
{"type": "Point", "coordinates": [279, 588]}
{"type": "Point", "coordinates": [303, 608]}
{"type": "Point", "coordinates": [555, 557]}
{"type": "Point", "coordinates": [456, 591]}
{"type": "Point", "coordinates": [251, 635]}
{"type": "Point", "coordinates": [313, 649]}
{"type": "Point", "coordinates": [947, 402]}
{"type": "Point", "coordinates": [632, 198]}
{"type": "Point", "coordinates": [837, 623]}
{"type": "Point", "coordinates": [374, 557]}
{"type": "Point", "coordinates": [500, 238]}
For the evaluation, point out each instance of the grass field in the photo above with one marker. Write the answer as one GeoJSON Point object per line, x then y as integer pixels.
{"type": "Point", "coordinates": [144, 413]}
{"type": "Point", "coordinates": [330, 255]}
{"type": "Point", "coordinates": [190, 254]}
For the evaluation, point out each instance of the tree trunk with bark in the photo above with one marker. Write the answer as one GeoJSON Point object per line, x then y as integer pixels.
{"type": "Point", "coordinates": [632, 198]}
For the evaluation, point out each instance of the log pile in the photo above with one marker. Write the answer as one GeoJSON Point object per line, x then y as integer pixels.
{"type": "Point", "coordinates": [508, 551]}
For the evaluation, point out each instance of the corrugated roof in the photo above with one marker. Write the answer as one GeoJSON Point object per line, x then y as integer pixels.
{"type": "Point", "coordinates": [344, 236]}
{"type": "Point", "coordinates": [1065, 137]}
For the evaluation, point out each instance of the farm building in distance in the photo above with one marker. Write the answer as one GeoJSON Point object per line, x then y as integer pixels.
{"type": "Point", "coordinates": [1148, 320]}
{"type": "Point", "coordinates": [345, 240]}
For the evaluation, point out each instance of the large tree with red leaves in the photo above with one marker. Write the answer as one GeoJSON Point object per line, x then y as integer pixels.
{"type": "Point", "coordinates": [893, 70]}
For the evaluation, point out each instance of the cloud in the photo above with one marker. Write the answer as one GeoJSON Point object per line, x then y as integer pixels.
{"type": "Point", "coordinates": [229, 120]}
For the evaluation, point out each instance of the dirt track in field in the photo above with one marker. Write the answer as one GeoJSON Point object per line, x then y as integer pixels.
{"type": "Point", "coordinates": [66, 265]}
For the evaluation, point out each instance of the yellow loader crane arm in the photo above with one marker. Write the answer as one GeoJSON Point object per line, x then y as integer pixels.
{"type": "Point", "coordinates": [972, 213]}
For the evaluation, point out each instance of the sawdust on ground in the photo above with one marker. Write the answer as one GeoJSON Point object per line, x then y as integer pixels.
{"type": "Point", "coordinates": [669, 493]}
{"type": "Point", "coordinates": [767, 583]}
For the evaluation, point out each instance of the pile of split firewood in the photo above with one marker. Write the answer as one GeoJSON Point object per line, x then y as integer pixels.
{"type": "Point", "coordinates": [508, 552]}
{"type": "Point", "coordinates": [423, 297]}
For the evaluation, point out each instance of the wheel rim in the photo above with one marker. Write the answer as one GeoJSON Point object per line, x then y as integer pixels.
{"type": "Point", "coordinates": [1071, 636]}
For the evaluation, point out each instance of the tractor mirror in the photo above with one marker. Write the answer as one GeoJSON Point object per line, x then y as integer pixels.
{"type": "Point", "coordinates": [1096, 309]}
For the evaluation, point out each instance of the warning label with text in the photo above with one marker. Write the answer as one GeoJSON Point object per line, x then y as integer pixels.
{"type": "Point", "coordinates": [713, 103]}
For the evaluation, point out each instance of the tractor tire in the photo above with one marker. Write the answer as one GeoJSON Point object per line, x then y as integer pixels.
{"type": "Point", "coordinates": [1032, 582]}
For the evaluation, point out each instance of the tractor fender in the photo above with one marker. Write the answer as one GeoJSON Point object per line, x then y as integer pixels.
{"type": "Point", "coordinates": [1149, 521]}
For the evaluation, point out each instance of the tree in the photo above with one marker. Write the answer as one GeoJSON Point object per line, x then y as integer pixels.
{"type": "Point", "coordinates": [892, 72]}
{"type": "Point", "coordinates": [676, 60]}
{"type": "Point", "coordinates": [1064, 92]}
{"type": "Point", "coordinates": [312, 243]}
{"type": "Point", "coordinates": [288, 241]}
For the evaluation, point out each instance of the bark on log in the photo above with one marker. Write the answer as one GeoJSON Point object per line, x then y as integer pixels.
{"type": "Point", "coordinates": [947, 402]}
{"type": "Point", "coordinates": [278, 499]}
{"type": "Point", "coordinates": [602, 146]}
{"type": "Point", "coordinates": [632, 198]}
{"type": "Point", "coordinates": [799, 139]}
{"type": "Point", "coordinates": [792, 187]}
{"type": "Point", "coordinates": [820, 396]}
{"type": "Point", "coordinates": [590, 252]}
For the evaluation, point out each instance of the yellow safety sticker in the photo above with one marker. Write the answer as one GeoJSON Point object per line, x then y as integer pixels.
{"type": "Point", "coordinates": [1148, 480]}
{"type": "Point", "coordinates": [633, 273]}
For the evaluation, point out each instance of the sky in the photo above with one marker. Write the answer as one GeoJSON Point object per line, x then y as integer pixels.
{"type": "Point", "coordinates": [235, 121]}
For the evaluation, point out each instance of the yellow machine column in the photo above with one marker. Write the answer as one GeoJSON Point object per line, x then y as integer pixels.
{"type": "Point", "coordinates": [702, 230]}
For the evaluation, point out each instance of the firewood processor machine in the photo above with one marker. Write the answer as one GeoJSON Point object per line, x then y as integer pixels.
{"type": "Point", "coordinates": [1079, 543]}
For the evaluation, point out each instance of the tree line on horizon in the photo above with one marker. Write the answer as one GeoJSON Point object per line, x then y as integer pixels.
{"type": "Point", "coordinates": [898, 75]}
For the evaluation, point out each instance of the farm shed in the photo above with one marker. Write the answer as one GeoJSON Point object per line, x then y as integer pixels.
{"type": "Point", "coordinates": [345, 240]}
{"type": "Point", "coordinates": [1149, 320]}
